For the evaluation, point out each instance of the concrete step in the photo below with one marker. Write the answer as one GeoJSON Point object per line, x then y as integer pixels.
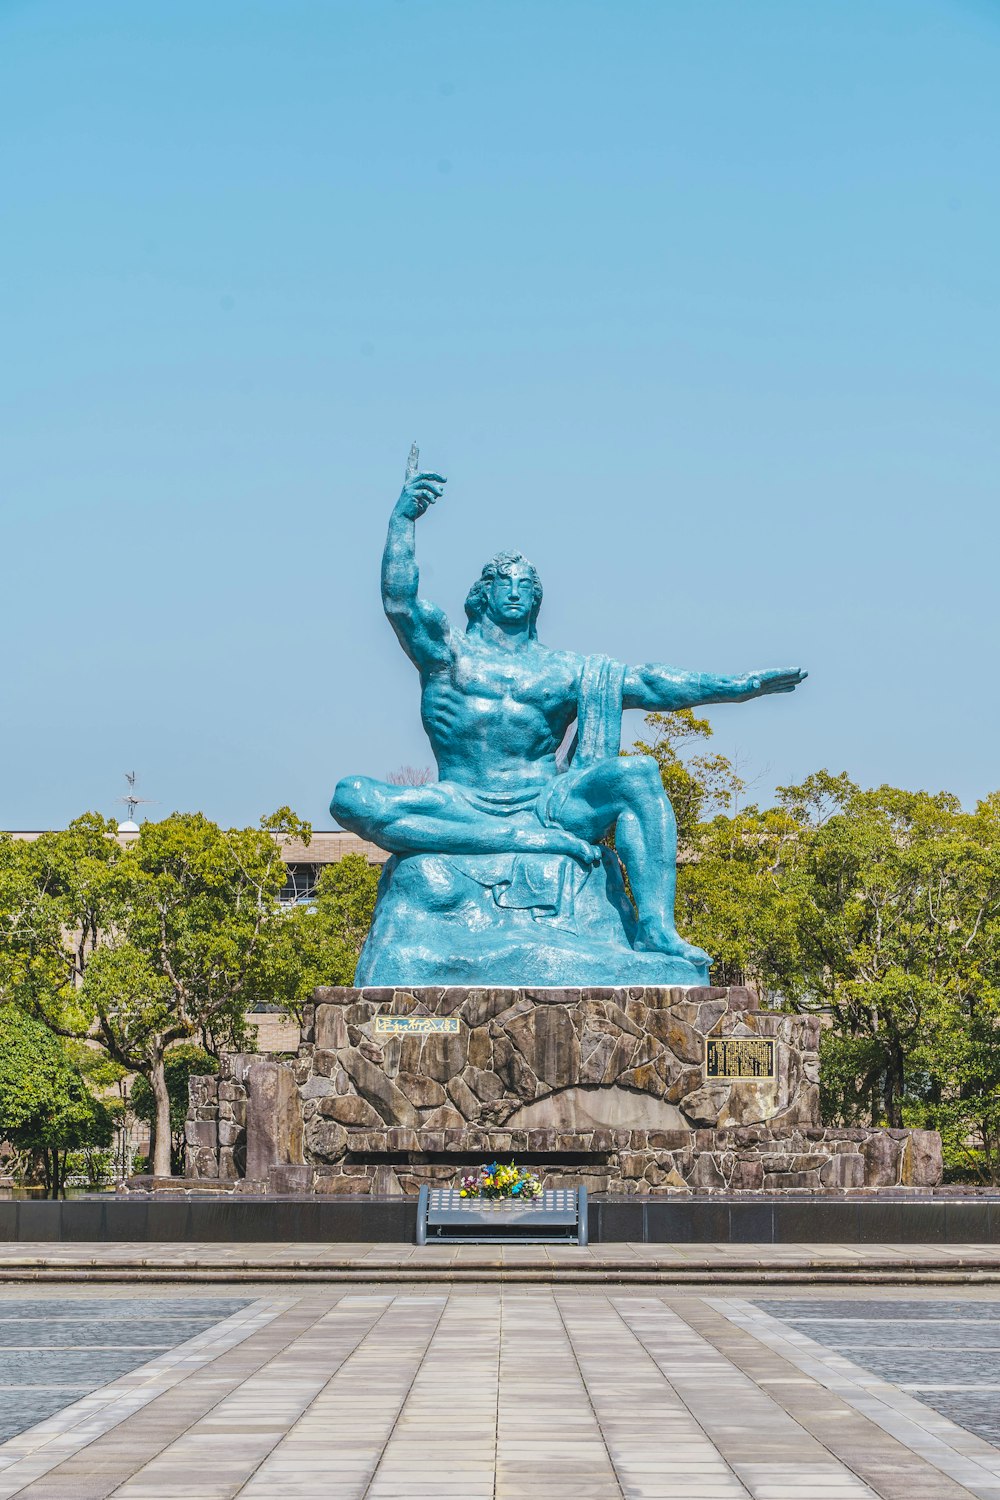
{"type": "Point", "coordinates": [641, 1264]}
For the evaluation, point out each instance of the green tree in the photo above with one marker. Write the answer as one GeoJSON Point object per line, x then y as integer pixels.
{"type": "Point", "coordinates": [885, 928]}
{"type": "Point", "coordinates": [46, 1108]}
{"type": "Point", "coordinates": [741, 894]}
{"type": "Point", "coordinates": [190, 916]}
{"type": "Point", "coordinates": [696, 784]}
{"type": "Point", "coordinates": [53, 904]}
{"type": "Point", "coordinates": [878, 908]}
{"type": "Point", "coordinates": [319, 942]}
{"type": "Point", "coordinates": [734, 896]}
{"type": "Point", "coordinates": [181, 1062]}
{"type": "Point", "coordinates": [345, 903]}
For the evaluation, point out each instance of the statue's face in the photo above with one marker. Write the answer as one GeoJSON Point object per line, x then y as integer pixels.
{"type": "Point", "coordinates": [512, 596]}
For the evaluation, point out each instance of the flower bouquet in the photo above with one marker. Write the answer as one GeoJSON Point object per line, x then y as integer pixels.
{"type": "Point", "coordinates": [497, 1182]}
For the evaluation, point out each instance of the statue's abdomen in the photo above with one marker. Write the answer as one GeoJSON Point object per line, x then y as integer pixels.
{"type": "Point", "coordinates": [476, 738]}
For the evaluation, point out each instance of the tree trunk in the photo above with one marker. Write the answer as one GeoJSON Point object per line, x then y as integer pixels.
{"type": "Point", "coordinates": [161, 1136]}
{"type": "Point", "coordinates": [893, 1086]}
{"type": "Point", "coordinates": [53, 1176]}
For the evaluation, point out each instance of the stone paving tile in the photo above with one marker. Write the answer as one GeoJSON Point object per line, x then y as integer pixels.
{"type": "Point", "coordinates": [504, 1394]}
{"type": "Point", "coordinates": [899, 1446]}
{"type": "Point", "coordinates": [762, 1444]}
{"type": "Point", "coordinates": [221, 1450]}
{"type": "Point", "coordinates": [903, 1307]}
{"type": "Point", "coordinates": [657, 1446]}
{"type": "Point", "coordinates": [945, 1353]}
{"type": "Point", "coordinates": [41, 1448]}
{"type": "Point", "coordinates": [547, 1430]}
{"type": "Point", "coordinates": [340, 1439]}
{"type": "Point", "coordinates": [445, 1436]}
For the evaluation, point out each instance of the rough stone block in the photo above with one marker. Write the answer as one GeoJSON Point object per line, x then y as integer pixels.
{"type": "Point", "coordinates": [289, 1180]}
{"type": "Point", "coordinates": [350, 1109]}
{"type": "Point", "coordinates": [424, 1093]}
{"type": "Point", "coordinates": [201, 1132]}
{"type": "Point", "coordinates": [326, 1140]}
{"type": "Point", "coordinates": [201, 1161]}
{"type": "Point", "coordinates": [229, 1133]}
{"type": "Point", "coordinates": [386, 1098]}
{"type": "Point", "coordinates": [274, 1118]}
{"type": "Point", "coordinates": [882, 1159]}
{"type": "Point", "coordinates": [781, 1181]}
{"type": "Point", "coordinates": [464, 1100]}
{"type": "Point", "coordinates": [922, 1164]}
{"type": "Point", "coordinates": [846, 1169]}
{"type": "Point", "coordinates": [445, 1118]}
{"type": "Point", "coordinates": [330, 1033]}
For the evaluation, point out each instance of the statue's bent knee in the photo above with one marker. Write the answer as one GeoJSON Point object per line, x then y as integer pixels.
{"type": "Point", "coordinates": [645, 766]}
{"type": "Point", "coordinates": [640, 772]}
{"type": "Point", "coordinates": [352, 802]}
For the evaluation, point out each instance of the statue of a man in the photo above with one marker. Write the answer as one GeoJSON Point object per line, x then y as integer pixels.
{"type": "Point", "coordinates": [497, 704]}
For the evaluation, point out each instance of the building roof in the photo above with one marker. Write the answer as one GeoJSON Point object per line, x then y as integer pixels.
{"type": "Point", "coordinates": [326, 847]}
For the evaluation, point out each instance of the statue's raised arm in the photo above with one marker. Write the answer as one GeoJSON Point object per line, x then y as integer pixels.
{"type": "Point", "coordinates": [659, 689]}
{"type": "Point", "coordinates": [422, 627]}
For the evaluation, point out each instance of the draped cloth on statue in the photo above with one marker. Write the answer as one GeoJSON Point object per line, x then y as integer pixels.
{"type": "Point", "coordinates": [599, 711]}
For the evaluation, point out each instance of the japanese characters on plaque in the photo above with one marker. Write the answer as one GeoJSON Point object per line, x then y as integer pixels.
{"type": "Point", "coordinates": [740, 1057]}
{"type": "Point", "coordinates": [415, 1025]}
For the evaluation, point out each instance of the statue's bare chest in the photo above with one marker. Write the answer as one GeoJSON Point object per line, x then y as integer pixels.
{"type": "Point", "coordinates": [535, 678]}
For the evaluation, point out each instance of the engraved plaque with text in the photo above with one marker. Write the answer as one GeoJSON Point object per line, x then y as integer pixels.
{"type": "Point", "coordinates": [740, 1057]}
{"type": "Point", "coordinates": [416, 1025]}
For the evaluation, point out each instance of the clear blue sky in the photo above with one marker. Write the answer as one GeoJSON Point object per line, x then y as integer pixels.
{"type": "Point", "coordinates": [695, 303]}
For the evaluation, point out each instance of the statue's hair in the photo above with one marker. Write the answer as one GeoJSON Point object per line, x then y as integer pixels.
{"type": "Point", "coordinates": [499, 567]}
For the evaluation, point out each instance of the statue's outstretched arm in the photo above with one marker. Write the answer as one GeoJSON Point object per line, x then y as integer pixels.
{"type": "Point", "coordinates": [422, 627]}
{"type": "Point", "coordinates": [657, 688]}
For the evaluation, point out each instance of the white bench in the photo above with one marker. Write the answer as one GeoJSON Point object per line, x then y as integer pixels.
{"type": "Point", "coordinates": [553, 1217]}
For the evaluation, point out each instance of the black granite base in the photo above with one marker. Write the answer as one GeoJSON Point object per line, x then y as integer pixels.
{"type": "Point", "coordinates": [875, 1218]}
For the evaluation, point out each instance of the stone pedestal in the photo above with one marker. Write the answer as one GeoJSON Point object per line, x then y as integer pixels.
{"type": "Point", "coordinates": [510, 919]}
{"type": "Point", "coordinates": [610, 1087]}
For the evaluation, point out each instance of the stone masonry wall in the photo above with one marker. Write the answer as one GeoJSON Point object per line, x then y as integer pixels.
{"type": "Point", "coordinates": [605, 1087]}
{"type": "Point", "coordinates": [564, 1060]}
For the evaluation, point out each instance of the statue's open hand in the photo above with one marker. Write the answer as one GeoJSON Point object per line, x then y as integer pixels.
{"type": "Point", "coordinates": [419, 492]}
{"type": "Point", "coordinates": [776, 680]}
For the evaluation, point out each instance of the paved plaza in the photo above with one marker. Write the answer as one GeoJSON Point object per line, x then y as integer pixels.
{"type": "Point", "coordinates": [485, 1390]}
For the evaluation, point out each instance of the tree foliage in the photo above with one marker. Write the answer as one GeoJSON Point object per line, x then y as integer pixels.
{"type": "Point", "coordinates": [319, 942]}
{"type": "Point", "coordinates": [46, 1108]}
{"type": "Point", "coordinates": [696, 784]}
{"type": "Point", "coordinates": [163, 940]}
{"type": "Point", "coordinates": [879, 909]}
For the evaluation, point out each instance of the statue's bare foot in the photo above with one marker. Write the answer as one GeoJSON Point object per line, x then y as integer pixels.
{"type": "Point", "coordinates": [654, 937]}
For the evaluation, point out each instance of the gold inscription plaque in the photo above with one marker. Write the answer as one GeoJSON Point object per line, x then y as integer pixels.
{"type": "Point", "coordinates": [416, 1025]}
{"type": "Point", "coordinates": [739, 1057]}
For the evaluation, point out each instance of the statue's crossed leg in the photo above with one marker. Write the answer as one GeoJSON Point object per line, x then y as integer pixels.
{"type": "Point", "coordinates": [445, 817]}
{"type": "Point", "coordinates": [566, 815]}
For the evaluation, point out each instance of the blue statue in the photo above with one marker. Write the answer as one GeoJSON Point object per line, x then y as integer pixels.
{"type": "Point", "coordinates": [496, 876]}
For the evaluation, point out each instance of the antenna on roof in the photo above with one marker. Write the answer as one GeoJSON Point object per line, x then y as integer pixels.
{"type": "Point", "coordinates": [132, 800]}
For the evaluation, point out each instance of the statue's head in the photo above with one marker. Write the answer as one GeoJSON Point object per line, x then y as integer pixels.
{"type": "Point", "coordinates": [508, 590]}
